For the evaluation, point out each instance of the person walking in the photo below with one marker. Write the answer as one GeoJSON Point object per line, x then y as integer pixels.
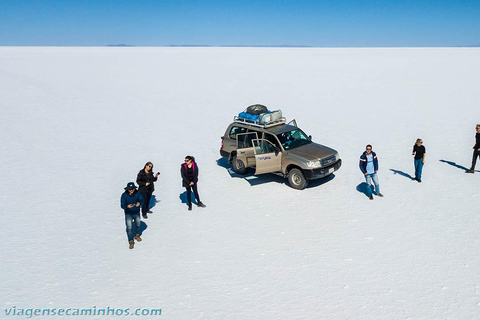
{"type": "Point", "coordinates": [476, 150]}
{"type": "Point", "coordinates": [419, 153]}
{"type": "Point", "coordinates": [145, 180]}
{"type": "Point", "coordinates": [369, 167]}
{"type": "Point", "coordinates": [189, 172]}
{"type": "Point", "coordinates": [131, 201]}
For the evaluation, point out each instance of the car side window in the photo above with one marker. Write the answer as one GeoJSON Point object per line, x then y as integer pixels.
{"type": "Point", "coordinates": [236, 130]}
{"type": "Point", "coordinates": [245, 140]}
{"type": "Point", "coordinates": [263, 146]}
{"type": "Point", "coordinates": [271, 138]}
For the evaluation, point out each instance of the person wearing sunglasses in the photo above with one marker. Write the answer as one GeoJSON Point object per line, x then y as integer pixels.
{"type": "Point", "coordinates": [189, 172]}
{"type": "Point", "coordinates": [145, 180]}
{"type": "Point", "coordinates": [369, 167]}
{"type": "Point", "coordinates": [419, 152]}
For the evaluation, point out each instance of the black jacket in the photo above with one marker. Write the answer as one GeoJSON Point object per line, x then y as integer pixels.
{"type": "Point", "coordinates": [183, 172]}
{"type": "Point", "coordinates": [143, 178]}
{"type": "Point", "coordinates": [477, 141]}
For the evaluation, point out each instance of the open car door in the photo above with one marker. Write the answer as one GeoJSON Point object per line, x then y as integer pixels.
{"type": "Point", "coordinates": [245, 150]}
{"type": "Point", "coordinates": [268, 158]}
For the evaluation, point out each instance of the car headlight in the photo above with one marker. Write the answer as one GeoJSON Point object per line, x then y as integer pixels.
{"type": "Point", "coordinates": [337, 156]}
{"type": "Point", "coordinates": [314, 164]}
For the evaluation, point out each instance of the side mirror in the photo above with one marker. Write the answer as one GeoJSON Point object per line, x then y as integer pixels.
{"type": "Point", "coordinates": [277, 151]}
{"type": "Point", "coordinates": [310, 138]}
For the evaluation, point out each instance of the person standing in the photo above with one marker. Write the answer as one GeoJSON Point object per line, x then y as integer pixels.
{"type": "Point", "coordinates": [189, 172]}
{"type": "Point", "coordinates": [476, 150]}
{"type": "Point", "coordinates": [369, 167]}
{"type": "Point", "coordinates": [419, 152]}
{"type": "Point", "coordinates": [131, 201]}
{"type": "Point", "coordinates": [145, 180]}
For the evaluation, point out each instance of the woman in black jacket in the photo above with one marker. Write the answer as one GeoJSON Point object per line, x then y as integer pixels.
{"type": "Point", "coordinates": [145, 179]}
{"type": "Point", "coordinates": [189, 172]}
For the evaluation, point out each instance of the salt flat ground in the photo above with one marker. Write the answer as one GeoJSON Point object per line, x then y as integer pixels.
{"type": "Point", "coordinates": [77, 124]}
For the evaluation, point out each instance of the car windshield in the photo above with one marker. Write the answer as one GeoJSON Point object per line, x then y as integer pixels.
{"type": "Point", "coordinates": [293, 139]}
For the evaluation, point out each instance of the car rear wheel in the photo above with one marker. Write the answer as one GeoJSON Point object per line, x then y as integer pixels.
{"type": "Point", "coordinates": [238, 165]}
{"type": "Point", "coordinates": [296, 179]}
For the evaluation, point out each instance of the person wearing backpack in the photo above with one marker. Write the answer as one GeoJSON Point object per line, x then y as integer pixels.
{"type": "Point", "coordinates": [189, 173]}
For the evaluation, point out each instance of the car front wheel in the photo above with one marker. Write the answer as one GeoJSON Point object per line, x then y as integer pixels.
{"type": "Point", "coordinates": [296, 179]}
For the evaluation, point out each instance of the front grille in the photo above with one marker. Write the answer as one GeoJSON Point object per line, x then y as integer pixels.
{"type": "Point", "coordinates": [328, 161]}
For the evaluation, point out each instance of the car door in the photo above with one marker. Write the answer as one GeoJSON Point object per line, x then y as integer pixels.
{"type": "Point", "coordinates": [245, 149]}
{"type": "Point", "coordinates": [268, 158]}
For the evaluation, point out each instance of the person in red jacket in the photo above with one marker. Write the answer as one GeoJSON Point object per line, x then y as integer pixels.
{"type": "Point", "coordinates": [189, 172]}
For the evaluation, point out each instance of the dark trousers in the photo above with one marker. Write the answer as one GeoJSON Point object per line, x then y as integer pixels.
{"type": "Point", "coordinates": [189, 193]}
{"type": "Point", "coordinates": [147, 195]}
{"type": "Point", "coordinates": [476, 154]}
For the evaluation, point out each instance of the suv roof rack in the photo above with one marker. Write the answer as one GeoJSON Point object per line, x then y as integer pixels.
{"type": "Point", "coordinates": [262, 120]}
{"type": "Point", "coordinates": [282, 120]}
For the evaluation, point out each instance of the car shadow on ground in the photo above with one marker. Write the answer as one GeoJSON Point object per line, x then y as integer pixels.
{"type": "Point", "coordinates": [403, 174]}
{"type": "Point", "coordinates": [247, 176]}
{"type": "Point", "coordinates": [254, 180]}
{"type": "Point", "coordinates": [453, 164]}
{"type": "Point", "coordinates": [319, 182]}
{"type": "Point", "coordinates": [363, 188]}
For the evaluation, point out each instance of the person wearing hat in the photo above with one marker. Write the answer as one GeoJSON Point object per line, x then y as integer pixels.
{"type": "Point", "coordinates": [145, 179]}
{"type": "Point", "coordinates": [131, 202]}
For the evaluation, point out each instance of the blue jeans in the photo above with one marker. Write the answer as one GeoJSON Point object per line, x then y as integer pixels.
{"type": "Point", "coordinates": [128, 222]}
{"type": "Point", "coordinates": [418, 168]}
{"type": "Point", "coordinates": [369, 178]}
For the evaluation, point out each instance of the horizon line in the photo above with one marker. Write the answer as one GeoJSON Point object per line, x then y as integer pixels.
{"type": "Point", "coordinates": [240, 46]}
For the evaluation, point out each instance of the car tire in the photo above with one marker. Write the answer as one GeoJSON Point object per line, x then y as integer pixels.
{"type": "Point", "coordinates": [238, 165]}
{"type": "Point", "coordinates": [296, 179]}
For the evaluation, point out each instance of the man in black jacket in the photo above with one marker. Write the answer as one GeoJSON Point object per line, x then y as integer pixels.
{"type": "Point", "coordinates": [476, 150]}
{"type": "Point", "coordinates": [145, 179]}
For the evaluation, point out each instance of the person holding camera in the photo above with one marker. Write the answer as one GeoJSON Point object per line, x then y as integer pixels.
{"type": "Point", "coordinates": [189, 172]}
{"type": "Point", "coordinates": [145, 180]}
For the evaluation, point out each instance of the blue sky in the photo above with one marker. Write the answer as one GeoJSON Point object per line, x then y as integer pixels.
{"type": "Point", "coordinates": [333, 23]}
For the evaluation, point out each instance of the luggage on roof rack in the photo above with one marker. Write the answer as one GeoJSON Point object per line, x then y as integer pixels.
{"type": "Point", "coordinates": [259, 115]}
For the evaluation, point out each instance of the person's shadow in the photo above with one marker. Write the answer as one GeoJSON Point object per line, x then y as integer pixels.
{"type": "Point", "coordinates": [363, 188]}
{"type": "Point", "coordinates": [153, 202]}
{"type": "Point", "coordinates": [453, 164]}
{"type": "Point", "coordinates": [143, 227]}
{"type": "Point", "coordinates": [184, 199]}
{"type": "Point", "coordinates": [403, 174]}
